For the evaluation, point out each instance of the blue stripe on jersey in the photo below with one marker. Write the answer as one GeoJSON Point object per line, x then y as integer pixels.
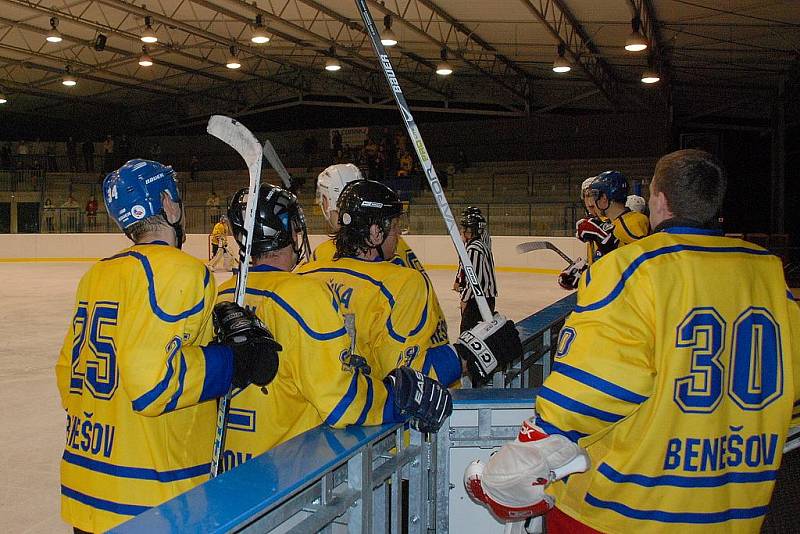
{"type": "Point", "coordinates": [576, 406]}
{"type": "Point", "coordinates": [445, 363]}
{"type": "Point", "coordinates": [589, 275]}
{"type": "Point", "coordinates": [151, 290]}
{"type": "Point", "coordinates": [690, 230]}
{"type": "Point", "coordinates": [424, 317]}
{"type": "Point", "coordinates": [600, 384]}
{"type": "Point", "coordinates": [219, 371]}
{"type": "Point", "coordinates": [386, 293]}
{"type": "Point", "coordinates": [103, 504]}
{"type": "Point", "coordinates": [677, 517]}
{"type": "Point", "coordinates": [320, 336]}
{"type": "Point", "coordinates": [173, 403]}
{"type": "Point", "coordinates": [345, 402]}
{"type": "Point", "coordinates": [390, 411]}
{"type": "Point", "coordinates": [572, 435]}
{"type": "Point", "coordinates": [686, 481]}
{"type": "Point", "coordinates": [790, 296]}
{"type": "Point", "coordinates": [147, 398]}
{"type": "Point", "coordinates": [367, 404]}
{"type": "Point", "coordinates": [139, 473]}
{"type": "Point", "coordinates": [628, 272]}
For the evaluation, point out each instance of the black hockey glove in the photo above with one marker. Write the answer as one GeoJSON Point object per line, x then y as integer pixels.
{"type": "Point", "coordinates": [255, 351]}
{"type": "Point", "coordinates": [489, 346]}
{"type": "Point", "coordinates": [424, 400]}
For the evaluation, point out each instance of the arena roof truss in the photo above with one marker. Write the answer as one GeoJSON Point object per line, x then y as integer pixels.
{"type": "Point", "coordinates": [713, 62]}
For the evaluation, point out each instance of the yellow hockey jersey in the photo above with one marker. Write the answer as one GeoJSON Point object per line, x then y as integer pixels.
{"type": "Point", "coordinates": [133, 378]}
{"type": "Point", "coordinates": [677, 372]}
{"type": "Point", "coordinates": [395, 315]}
{"type": "Point", "coordinates": [631, 226]}
{"type": "Point", "coordinates": [403, 255]}
{"type": "Point", "coordinates": [316, 383]}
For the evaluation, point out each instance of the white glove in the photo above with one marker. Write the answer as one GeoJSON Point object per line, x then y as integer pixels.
{"type": "Point", "coordinates": [512, 482]}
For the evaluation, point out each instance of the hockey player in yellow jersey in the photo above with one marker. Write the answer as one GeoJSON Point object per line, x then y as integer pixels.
{"type": "Point", "coordinates": [138, 373]}
{"type": "Point", "coordinates": [330, 184]}
{"type": "Point", "coordinates": [320, 381]}
{"type": "Point", "coordinates": [677, 372]}
{"type": "Point", "coordinates": [393, 304]}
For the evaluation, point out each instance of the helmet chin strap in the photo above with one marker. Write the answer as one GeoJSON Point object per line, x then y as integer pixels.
{"type": "Point", "coordinates": [179, 234]}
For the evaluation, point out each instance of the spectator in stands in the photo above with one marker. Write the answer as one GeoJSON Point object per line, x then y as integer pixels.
{"type": "Point", "coordinates": [70, 215]}
{"type": "Point", "coordinates": [22, 154]}
{"type": "Point", "coordinates": [194, 166]}
{"type": "Point", "coordinates": [5, 156]}
{"type": "Point", "coordinates": [72, 154]}
{"type": "Point", "coordinates": [49, 213]}
{"type": "Point", "coordinates": [155, 151]}
{"type": "Point", "coordinates": [91, 212]}
{"type": "Point", "coordinates": [371, 151]}
{"type": "Point", "coordinates": [212, 206]}
{"type": "Point", "coordinates": [406, 164]}
{"type": "Point", "coordinates": [108, 153]}
{"type": "Point", "coordinates": [88, 155]}
{"type": "Point", "coordinates": [461, 161]}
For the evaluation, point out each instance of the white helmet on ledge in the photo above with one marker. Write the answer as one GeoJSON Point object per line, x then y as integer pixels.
{"type": "Point", "coordinates": [330, 183]}
{"type": "Point", "coordinates": [636, 203]}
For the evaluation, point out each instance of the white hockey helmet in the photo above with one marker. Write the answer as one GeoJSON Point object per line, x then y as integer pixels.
{"type": "Point", "coordinates": [636, 203]}
{"type": "Point", "coordinates": [330, 183]}
{"type": "Point", "coordinates": [586, 184]}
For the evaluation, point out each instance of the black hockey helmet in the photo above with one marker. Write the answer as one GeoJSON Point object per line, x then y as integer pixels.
{"type": "Point", "coordinates": [361, 204]}
{"type": "Point", "coordinates": [278, 218]}
{"type": "Point", "coordinates": [473, 219]}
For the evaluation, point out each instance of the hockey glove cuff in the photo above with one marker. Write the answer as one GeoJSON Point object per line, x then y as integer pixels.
{"type": "Point", "coordinates": [488, 346]}
{"type": "Point", "coordinates": [419, 398]}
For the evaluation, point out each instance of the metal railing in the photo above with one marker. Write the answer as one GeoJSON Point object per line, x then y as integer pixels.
{"type": "Point", "coordinates": [351, 480]}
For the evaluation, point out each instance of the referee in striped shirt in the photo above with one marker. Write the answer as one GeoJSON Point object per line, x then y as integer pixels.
{"type": "Point", "coordinates": [478, 242]}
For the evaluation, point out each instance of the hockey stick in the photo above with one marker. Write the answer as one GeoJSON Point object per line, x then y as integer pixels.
{"type": "Point", "coordinates": [424, 159]}
{"type": "Point", "coordinates": [792, 440]}
{"type": "Point", "coordinates": [277, 164]}
{"type": "Point", "coordinates": [530, 246]}
{"type": "Point", "coordinates": [238, 137]}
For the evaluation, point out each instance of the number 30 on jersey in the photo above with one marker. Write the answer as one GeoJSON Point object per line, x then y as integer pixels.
{"type": "Point", "coordinates": [753, 377]}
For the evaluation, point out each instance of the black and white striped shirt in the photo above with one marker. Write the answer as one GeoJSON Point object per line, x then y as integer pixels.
{"type": "Point", "coordinates": [482, 260]}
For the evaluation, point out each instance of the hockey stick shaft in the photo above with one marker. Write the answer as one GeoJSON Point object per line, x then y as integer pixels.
{"type": "Point", "coordinates": [242, 140]}
{"type": "Point", "coordinates": [424, 159]}
{"type": "Point", "coordinates": [277, 164]}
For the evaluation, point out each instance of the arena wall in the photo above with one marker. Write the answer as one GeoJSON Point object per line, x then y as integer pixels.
{"type": "Point", "coordinates": [435, 252]}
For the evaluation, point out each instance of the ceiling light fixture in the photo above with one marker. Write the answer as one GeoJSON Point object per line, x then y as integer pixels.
{"type": "Point", "coordinates": [233, 61]}
{"type": "Point", "coordinates": [68, 79]}
{"type": "Point", "coordinates": [53, 35]}
{"type": "Point", "coordinates": [259, 35]}
{"type": "Point", "coordinates": [444, 68]}
{"type": "Point", "coordinates": [332, 64]}
{"type": "Point", "coordinates": [145, 60]}
{"type": "Point", "coordinates": [650, 75]}
{"type": "Point", "coordinates": [561, 64]}
{"type": "Point", "coordinates": [148, 35]}
{"type": "Point", "coordinates": [636, 41]}
{"type": "Point", "coordinates": [388, 38]}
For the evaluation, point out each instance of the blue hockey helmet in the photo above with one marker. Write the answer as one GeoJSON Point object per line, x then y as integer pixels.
{"type": "Point", "coordinates": [612, 184]}
{"type": "Point", "coordinates": [133, 192]}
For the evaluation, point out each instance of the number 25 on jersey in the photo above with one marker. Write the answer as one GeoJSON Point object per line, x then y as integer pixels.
{"type": "Point", "coordinates": [95, 331]}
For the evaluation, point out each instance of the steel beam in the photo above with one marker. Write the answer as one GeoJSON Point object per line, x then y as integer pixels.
{"type": "Point", "coordinates": [566, 30]}
{"type": "Point", "coordinates": [651, 29]}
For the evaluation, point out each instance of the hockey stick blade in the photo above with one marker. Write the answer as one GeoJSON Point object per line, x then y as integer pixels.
{"type": "Point", "coordinates": [277, 164]}
{"type": "Point", "coordinates": [385, 63]}
{"type": "Point", "coordinates": [242, 140]}
{"type": "Point", "coordinates": [530, 246]}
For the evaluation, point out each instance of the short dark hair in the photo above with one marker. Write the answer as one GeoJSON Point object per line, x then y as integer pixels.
{"type": "Point", "coordinates": [138, 230]}
{"type": "Point", "coordinates": [694, 183]}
